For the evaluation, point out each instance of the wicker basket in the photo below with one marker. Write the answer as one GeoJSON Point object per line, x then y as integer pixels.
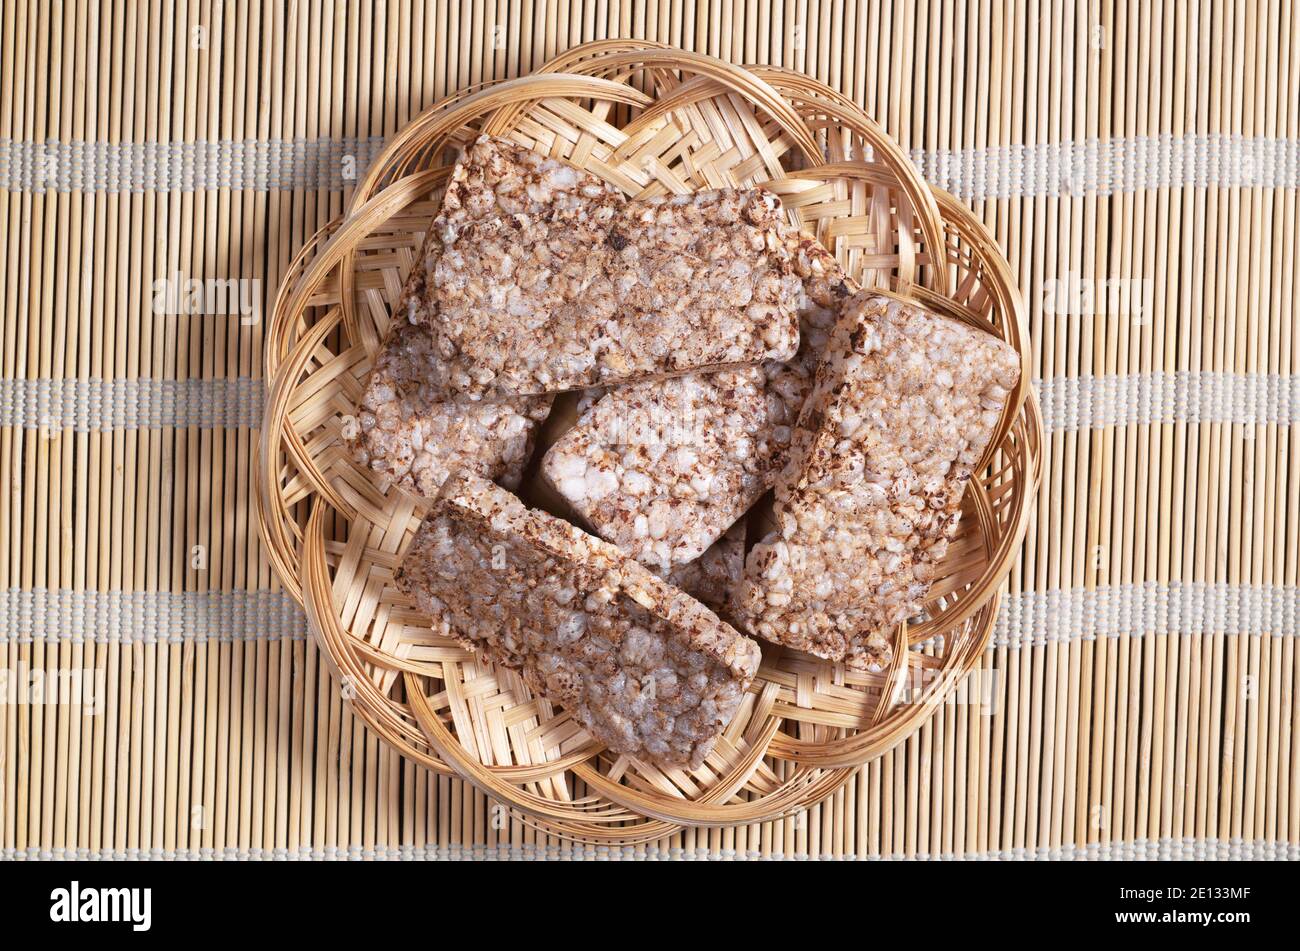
{"type": "Point", "coordinates": [649, 120]}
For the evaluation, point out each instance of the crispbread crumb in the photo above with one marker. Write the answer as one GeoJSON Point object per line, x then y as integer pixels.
{"type": "Point", "coordinates": [904, 404]}
{"type": "Point", "coordinates": [646, 669]}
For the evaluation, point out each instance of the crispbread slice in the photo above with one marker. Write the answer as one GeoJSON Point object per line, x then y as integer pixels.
{"type": "Point", "coordinates": [904, 404]}
{"type": "Point", "coordinates": [714, 578]}
{"type": "Point", "coordinates": [663, 468]}
{"type": "Point", "coordinates": [549, 281]}
{"type": "Point", "coordinates": [409, 434]}
{"type": "Point", "coordinates": [645, 668]}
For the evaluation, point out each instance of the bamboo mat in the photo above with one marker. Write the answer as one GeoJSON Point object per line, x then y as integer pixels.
{"type": "Point", "coordinates": [1142, 687]}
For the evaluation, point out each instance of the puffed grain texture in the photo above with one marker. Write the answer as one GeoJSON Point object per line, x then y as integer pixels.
{"type": "Point", "coordinates": [662, 468]}
{"type": "Point", "coordinates": [903, 406]}
{"type": "Point", "coordinates": [408, 434]}
{"type": "Point", "coordinates": [550, 281]}
{"type": "Point", "coordinates": [714, 578]}
{"type": "Point", "coordinates": [644, 668]}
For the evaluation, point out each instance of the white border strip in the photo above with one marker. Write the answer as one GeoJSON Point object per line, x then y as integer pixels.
{"type": "Point", "coordinates": [96, 405]}
{"type": "Point", "coordinates": [148, 617]}
{"type": "Point", "coordinates": [1092, 166]}
{"type": "Point", "coordinates": [1113, 166]}
{"type": "Point", "coordinates": [1187, 396]}
{"type": "Point", "coordinates": [1167, 849]}
{"type": "Point", "coordinates": [243, 165]}
{"type": "Point", "coordinates": [1033, 618]}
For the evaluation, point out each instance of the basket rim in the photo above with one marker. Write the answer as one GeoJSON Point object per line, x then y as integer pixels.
{"type": "Point", "coordinates": [332, 249]}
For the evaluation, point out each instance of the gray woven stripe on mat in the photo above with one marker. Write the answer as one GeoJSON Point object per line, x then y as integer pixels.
{"type": "Point", "coordinates": [96, 405]}
{"type": "Point", "coordinates": [245, 165]}
{"type": "Point", "coordinates": [1024, 619]}
{"type": "Point", "coordinates": [148, 617]}
{"type": "Point", "coordinates": [1068, 403]}
{"type": "Point", "coordinates": [1091, 166]}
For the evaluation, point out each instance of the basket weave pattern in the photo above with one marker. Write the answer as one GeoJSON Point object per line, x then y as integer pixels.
{"type": "Point", "coordinates": [649, 120]}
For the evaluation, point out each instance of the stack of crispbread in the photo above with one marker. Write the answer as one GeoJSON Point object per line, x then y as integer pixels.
{"type": "Point", "coordinates": [720, 354]}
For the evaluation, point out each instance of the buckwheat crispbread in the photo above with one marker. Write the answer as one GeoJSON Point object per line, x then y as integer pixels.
{"type": "Point", "coordinates": [662, 468]}
{"type": "Point", "coordinates": [714, 578]}
{"type": "Point", "coordinates": [539, 294]}
{"type": "Point", "coordinates": [407, 432]}
{"type": "Point", "coordinates": [903, 406]}
{"type": "Point", "coordinates": [646, 669]}
{"type": "Point", "coordinates": [497, 180]}
{"type": "Point", "coordinates": [648, 466]}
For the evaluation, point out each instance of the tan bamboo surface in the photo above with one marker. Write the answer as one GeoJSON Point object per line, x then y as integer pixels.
{"type": "Point", "coordinates": [1141, 681]}
{"type": "Point", "coordinates": [689, 121]}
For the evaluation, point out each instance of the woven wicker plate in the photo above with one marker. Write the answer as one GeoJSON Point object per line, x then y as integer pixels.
{"type": "Point", "coordinates": [649, 120]}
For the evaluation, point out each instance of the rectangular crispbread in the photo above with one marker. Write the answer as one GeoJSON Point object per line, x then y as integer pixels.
{"type": "Point", "coordinates": [662, 468]}
{"type": "Point", "coordinates": [548, 280]}
{"type": "Point", "coordinates": [903, 406]}
{"type": "Point", "coordinates": [645, 668]}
